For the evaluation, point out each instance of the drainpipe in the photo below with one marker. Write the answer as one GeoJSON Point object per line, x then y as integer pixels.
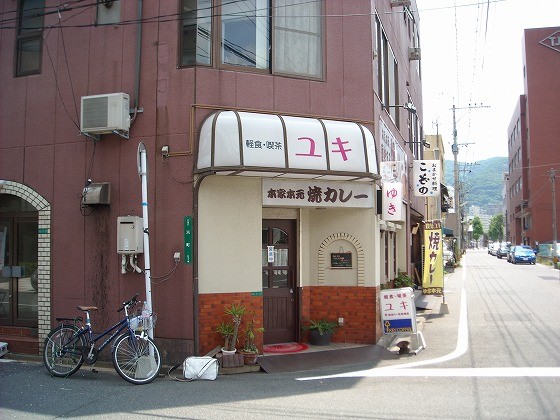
{"type": "Point", "coordinates": [138, 60]}
{"type": "Point", "coordinates": [195, 258]}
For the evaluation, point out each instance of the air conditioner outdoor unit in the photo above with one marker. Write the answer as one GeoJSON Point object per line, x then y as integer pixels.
{"type": "Point", "coordinates": [395, 3]}
{"type": "Point", "coordinates": [414, 53]}
{"type": "Point", "coordinates": [103, 114]}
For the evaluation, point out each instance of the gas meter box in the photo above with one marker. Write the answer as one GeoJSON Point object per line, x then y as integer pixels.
{"type": "Point", "coordinates": [130, 235]}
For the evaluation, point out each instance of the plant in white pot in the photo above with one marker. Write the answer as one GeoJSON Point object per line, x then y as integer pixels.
{"type": "Point", "coordinates": [225, 329]}
{"type": "Point", "coordinates": [236, 312]}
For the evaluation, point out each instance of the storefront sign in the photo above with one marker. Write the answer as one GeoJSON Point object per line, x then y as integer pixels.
{"type": "Point", "coordinates": [247, 142]}
{"type": "Point", "coordinates": [398, 312]}
{"type": "Point", "coordinates": [432, 277]}
{"type": "Point", "coordinates": [341, 260]}
{"type": "Point", "coordinates": [392, 201]}
{"type": "Point", "coordinates": [426, 178]}
{"type": "Point", "coordinates": [296, 193]}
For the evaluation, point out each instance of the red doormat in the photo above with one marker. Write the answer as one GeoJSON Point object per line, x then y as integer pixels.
{"type": "Point", "coordinates": [285, 348]}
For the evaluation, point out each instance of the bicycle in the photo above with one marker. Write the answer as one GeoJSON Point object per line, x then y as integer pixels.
{"type": "Point", "coordinates": [135, 356]}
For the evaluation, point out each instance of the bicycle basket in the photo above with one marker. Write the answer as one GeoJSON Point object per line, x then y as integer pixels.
{"type": "Point", "coordinates": [141, 323]}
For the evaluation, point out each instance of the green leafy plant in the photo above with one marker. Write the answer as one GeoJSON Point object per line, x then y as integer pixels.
{"type": "Point", "coordinates": [403, 280]}
{"type": "Point", "coordinates": [225, 329]}
{"type": "Point", "coordinates": [322, 326]}
{"type": "Point", "coordinates": [249, 345]}
{"type": "Point", "coordinates": [236, 312]}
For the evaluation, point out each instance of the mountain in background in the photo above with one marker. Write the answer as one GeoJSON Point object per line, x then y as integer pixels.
{"type": "Point", "coordinates": [482, 181]}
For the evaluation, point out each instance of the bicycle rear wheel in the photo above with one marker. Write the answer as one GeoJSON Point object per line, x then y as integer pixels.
{"type": "Point", "coordinates": [62, 352]}
{"type": "Point", "coordinates": [136, 359]}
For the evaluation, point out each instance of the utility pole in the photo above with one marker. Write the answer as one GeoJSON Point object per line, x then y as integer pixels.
{"type": "Point", "coordinates": [455, 150]}
{"type": "Point", "coordinates": [552, 175]}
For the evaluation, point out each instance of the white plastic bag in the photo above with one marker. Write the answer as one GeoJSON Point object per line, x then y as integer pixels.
{"type": "Point", "coordinates": [204, 367]}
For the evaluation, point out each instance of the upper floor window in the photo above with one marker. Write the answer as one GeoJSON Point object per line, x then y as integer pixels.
{"type": "Point", "coordinates": [388, 73]}
{"type": "Point", "coordinates": [29, 37]}
{"type": "Point", "coordinates": [245, 34]}
{"type": "Point", "coordinates": [196, 33]}
{"type": "Point", "coordinates": [285, 38]}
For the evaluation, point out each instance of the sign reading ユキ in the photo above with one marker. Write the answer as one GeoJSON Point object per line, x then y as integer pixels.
{"type": "Point", "coordinates": [398, 312]}
{"type": "Point", "coordinates": [432, 277]}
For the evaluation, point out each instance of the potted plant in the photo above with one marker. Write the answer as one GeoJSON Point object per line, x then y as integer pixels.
{"type": "Point", "coordinates": [403, 280]}
{"type": "Point", "coordinates": [250, 349]}
{"type": "Point", "coordinates": [236, 312]}
{"type": "Point", "coordinates": [320, 332]}
{"type": "Point", "coordinates": [225, 329]}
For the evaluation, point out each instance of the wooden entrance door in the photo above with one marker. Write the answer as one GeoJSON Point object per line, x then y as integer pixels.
{"type": "Point", "coordinates": [278, 280]}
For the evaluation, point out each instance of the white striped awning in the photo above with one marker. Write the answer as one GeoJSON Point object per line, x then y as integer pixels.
{"type": "Point", "coordinates": [270, 145]}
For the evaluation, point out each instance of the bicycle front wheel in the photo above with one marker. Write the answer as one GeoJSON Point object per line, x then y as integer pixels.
{"type": "Point", "coordinates": [62, 352]}
{"type": "Point", "coordinates": [136, 359]}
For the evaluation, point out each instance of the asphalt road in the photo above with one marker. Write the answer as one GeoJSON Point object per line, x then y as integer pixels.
{"type": "Point", "coordinates": [495, 355]}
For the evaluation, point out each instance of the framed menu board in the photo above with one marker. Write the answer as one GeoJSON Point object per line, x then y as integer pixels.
{"type": "Point", "coordinates": [341, 260]}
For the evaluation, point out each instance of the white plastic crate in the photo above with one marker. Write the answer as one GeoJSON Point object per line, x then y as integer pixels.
{"type": "Point", "coordinates": [3, 349]}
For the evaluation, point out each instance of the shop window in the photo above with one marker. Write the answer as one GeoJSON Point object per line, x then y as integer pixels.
{"type": "Point", "coordinates": [29, 37]}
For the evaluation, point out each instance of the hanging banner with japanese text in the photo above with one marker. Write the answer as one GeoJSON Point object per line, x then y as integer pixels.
{"type": "Point", "coordinates": [426, 178]}
{"type": "Point", "coordinates": [297, 193]}
{"type": "Point", "coordinates": [432, 277]}
{"type": "Point", "coordinates": [392, 201]}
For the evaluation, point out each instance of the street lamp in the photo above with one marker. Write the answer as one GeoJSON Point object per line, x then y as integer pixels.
{"type": "Point", "coordinates": [409, 106]}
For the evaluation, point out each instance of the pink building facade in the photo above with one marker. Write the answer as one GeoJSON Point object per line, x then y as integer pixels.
{"type": "Point", "coordinates": [221, 96]}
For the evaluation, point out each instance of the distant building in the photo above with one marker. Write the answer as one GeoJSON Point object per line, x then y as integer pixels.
{"type": "Point", "coordinates": [534, 156]}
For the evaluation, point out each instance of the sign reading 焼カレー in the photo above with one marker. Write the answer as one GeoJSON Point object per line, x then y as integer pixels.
{"type": "Point", "coordinates": [341, 260]}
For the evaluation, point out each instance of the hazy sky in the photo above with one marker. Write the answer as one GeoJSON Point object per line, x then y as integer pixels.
{"type": "Point", "coordinates": [472, 56]}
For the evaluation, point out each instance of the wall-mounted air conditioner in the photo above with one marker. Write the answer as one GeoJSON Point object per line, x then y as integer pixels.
{"type": "Point", "coordinates": [103, 114]}
{"type": "Point", "coordinates": [414, 53]}
{"type": "Point", "coordinates": [395, 3]}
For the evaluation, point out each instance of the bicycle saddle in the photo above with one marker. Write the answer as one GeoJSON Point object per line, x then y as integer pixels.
{"type": "Point", "coordinates": [87, 308]}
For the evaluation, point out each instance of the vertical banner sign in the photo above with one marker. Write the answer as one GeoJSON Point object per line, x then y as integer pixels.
{"type": "Point", "coordinates": [188, 230]}
{"type": "Point", "coordinates": [392, 201]}
{"type": "Point", "coordinates": [426, 178]}
{"type": "Point", "coordinates": [432, 277]}
{"type": "Point", "coordinates": [398, 311]}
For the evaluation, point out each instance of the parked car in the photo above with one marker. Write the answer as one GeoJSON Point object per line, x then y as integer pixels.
{"type": "Point", "coordinates": [510, 253]}
{"type": "Point", "coordinates": [503, 250]}
{"type": "Point", "coordinates": [493, 249]}
{"type": "Point", "coordinates": [524, 254]}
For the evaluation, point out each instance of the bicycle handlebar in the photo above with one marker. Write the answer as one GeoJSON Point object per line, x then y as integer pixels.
{"type": "Point", "coordinates": [130, 302]}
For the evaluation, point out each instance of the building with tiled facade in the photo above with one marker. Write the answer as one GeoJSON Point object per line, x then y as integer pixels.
{"type": "Point", "coordinates": [270, 129]}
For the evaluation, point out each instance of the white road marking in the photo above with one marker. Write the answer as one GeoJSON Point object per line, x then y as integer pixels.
{"type": "Point", "coordinates": [407, 369]}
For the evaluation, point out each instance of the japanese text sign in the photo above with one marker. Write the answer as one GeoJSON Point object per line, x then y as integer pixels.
{"type": "Point", "coordinates": [426, 178]}
{"type": "Point", "coordinates": [432, 277]}
{"type": "Point", "coordinates": [392, 201]}
{"type": "Point", "coordinates": [230, 139]}
{"type": "Point", "coordinates": [398, 311]}
{"type": "Point", "coordinates": [299, 193]}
